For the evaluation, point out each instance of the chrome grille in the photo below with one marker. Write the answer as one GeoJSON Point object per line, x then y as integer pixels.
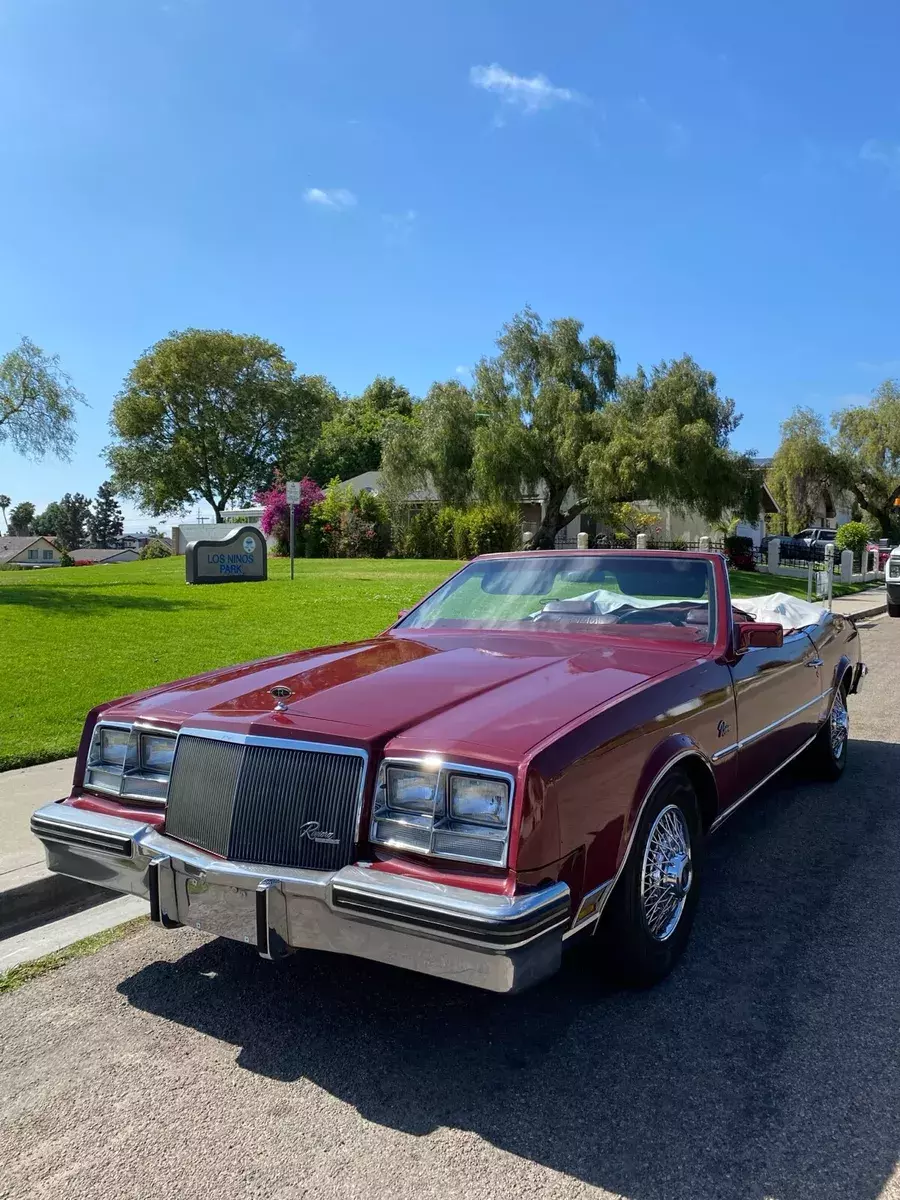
{"type": "Point", "coordinates": [260, 801]}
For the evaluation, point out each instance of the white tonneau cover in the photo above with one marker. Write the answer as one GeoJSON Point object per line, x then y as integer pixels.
{"type": "Point", "coordinates": [781, 609]}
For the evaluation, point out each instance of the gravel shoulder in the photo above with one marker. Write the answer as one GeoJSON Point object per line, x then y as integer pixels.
{"type": "Point", "coordinates": [768, 1065]}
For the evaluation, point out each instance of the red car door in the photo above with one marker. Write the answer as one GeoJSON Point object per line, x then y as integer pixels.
{"type": "Point", "coordinates": [777, 694]}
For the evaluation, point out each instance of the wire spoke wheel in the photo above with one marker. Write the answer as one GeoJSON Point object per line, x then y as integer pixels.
{"type": "Point", "coordinates": [666, 872]}
{"type": "Point", "coordinates": [839, 725]}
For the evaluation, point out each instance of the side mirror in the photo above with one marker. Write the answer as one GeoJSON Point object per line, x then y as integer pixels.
{"type": "Point", "coordinates": [762, 634]}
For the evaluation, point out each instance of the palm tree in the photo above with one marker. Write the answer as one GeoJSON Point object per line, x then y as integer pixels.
{"type": "Point", "coordinates": [5, 502]}
{"type": "Point", "coordinates": [727, 526]}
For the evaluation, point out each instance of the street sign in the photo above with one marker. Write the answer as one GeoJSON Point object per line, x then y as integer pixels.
{"type": "Point", "coordinates": [293, 497]}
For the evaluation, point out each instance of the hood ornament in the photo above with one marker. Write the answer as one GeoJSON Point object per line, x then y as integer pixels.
{"type": "Point", "coordinates": [282, 694]}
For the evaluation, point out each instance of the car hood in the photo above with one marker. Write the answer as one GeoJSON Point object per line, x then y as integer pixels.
{"type": "Point", "coordinates": [479, 693]}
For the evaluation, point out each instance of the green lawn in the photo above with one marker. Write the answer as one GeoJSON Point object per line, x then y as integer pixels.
{"type": "Point", "coordinates": [74, 637]}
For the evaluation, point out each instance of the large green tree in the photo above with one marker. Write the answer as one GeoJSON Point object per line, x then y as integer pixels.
{"type": "Point", "coordinates": [351, 440]}
{"type": "Point", "coordinates": [74, 513]}
{"type": "Point", "coordinates": [549, 414]}
{"type": "Point", "coordinates": [46, 523]}
{"type": "Point", "coordinates": [204, 414]}
{"type": "Point", "coordinates": [867, 445]}
{"type": "Point", "coordinates": [37, 402]}
{"type": "Point", "coordinates": [666, 437]}
{"type": "Point", "coordinates": [104, 522]}
{"type": "Point", "coordinates": [805, 471]}
{"type": "Point", "coordinates": [538, 399]}
{"type": "Point", "coordinates": [21, 518]}
{"type": "Point", "coordinates": [434, 449]}
{"type": "Point", "coordinates": [859, 457]}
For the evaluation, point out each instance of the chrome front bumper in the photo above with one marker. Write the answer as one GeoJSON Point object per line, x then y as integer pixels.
{"type": "Point", "coordinates": [500, 943]}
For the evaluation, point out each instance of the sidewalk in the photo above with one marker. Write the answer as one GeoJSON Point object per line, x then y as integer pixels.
{"type": "Point", "coordinates": [869, 603]}
{"type": "Point", "coordinates": [29, 893]}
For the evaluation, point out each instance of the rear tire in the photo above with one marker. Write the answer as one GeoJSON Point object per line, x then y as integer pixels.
{"type": "Point", "coordinates": [827, 756]}
{"type": "Point", "coordinates": [648, 919]}
{"type": "Point", "coordinates": [893, 609]}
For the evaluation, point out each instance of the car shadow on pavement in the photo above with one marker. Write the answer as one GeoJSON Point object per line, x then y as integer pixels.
{"type": "Point", "coordinates": [766, 1066]}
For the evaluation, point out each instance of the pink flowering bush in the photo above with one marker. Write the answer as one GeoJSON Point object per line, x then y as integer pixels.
{"type": "Point", "coordinates": [276, 518]}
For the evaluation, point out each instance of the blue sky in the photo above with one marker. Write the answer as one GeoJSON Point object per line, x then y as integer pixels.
{"type": "Point", "coordinates": [378, 187]}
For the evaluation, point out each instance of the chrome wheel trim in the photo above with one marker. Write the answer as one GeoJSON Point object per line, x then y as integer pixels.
{"type": "Point", "coordinates": [666, 872]}
{"type": "Point", "coordinates": [838, 726]}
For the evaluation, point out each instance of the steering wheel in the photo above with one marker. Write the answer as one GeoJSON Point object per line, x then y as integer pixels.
{"type": "Point", "coordinates": [652, 616]}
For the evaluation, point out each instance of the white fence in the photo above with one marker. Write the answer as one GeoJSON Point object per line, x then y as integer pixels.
{"type": "Point", "coordinates": [842, 568]}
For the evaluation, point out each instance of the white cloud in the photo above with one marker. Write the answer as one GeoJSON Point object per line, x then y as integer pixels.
{"type": "Point", "coordinates": [330, 197]}
{"type": "Point", "coordinates": [883, 154]}
{"type": "Point", "coordinates": [529, 95]}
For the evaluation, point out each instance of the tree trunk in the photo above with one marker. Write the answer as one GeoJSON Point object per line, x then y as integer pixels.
{"type": "Point", "coordinates": [553, 519]}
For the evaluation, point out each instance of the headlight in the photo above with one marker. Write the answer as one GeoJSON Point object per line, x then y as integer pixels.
{"type": "Point", "coordinates": [412, 791]}
{"type": "Point", "coordinates": [157, 752]}
{"type": "Point", "coordinates": [130, 763]}
{"type": "Point", "coordinates": [483, 801]}
{"type": "Point", "coordinates": [115, 745]}
{"type": "Point", "coordinates": [895, 567]}
{"type": "Point", "coordinates": [447, 811]}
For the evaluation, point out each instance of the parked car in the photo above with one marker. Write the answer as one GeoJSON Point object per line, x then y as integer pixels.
{"type": "Point", "coordinates": [883, 549]}
{"type": "Point", "coordinates": [808, 544]}
{"type": "Point", "coordinates": [816, 536]}
{"type": "Point", "coordinates": [535, 752]}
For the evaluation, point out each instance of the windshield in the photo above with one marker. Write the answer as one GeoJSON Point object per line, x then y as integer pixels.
{"type": "Point", "coordinates": [658, 595]}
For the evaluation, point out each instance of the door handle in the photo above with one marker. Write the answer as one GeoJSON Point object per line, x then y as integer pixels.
{"type": "Point", "coordinates": [815, 662]}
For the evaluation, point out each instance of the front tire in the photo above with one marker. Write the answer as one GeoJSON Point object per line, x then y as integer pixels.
{"type": "Point", "coordinates": [893, 608]}
{"type": "Point", "coordinates": [648, 920]}
{"type": "Point", "coordinates": [828, 753]}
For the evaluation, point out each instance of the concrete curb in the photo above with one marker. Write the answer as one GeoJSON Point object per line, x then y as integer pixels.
{"type": "Point", "coordinates": [876, 611]}
{"type": "Point", "coordinates": [57, 935]}
{"type": "Point", "coordinates": [35, 896]}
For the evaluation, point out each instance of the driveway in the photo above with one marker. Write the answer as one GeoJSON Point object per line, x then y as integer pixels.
{"type": "Point", "coordinates": [768, 1065]}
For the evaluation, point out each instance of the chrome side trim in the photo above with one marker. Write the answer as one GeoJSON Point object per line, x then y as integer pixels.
{"type": "Point", "coordinates": [751, 737]}
{"type": "Point", "coordinates": [724, 752]}
{"type": "Point", "coordinates": [723, 816]}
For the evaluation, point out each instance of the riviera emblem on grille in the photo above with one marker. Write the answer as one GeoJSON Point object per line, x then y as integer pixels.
{"type": "Point", "coordinates": [312, 831]}
{"type": "Point", "coordinates": [281, 694]}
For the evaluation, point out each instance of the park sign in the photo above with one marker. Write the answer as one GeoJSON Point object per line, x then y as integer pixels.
{"type": "Point", "coordinates": [237, 558]}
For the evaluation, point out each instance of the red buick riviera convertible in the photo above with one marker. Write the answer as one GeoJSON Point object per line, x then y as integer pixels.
{"type": "Point", "coordinates": [533, 754]}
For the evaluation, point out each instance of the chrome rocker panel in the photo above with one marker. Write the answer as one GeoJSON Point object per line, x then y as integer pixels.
{"type": "Point", "coordinates": [499, 943]}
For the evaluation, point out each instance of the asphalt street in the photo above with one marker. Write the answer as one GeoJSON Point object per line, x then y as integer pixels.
{"type": "Point", "coordinates": [767, 1066]}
